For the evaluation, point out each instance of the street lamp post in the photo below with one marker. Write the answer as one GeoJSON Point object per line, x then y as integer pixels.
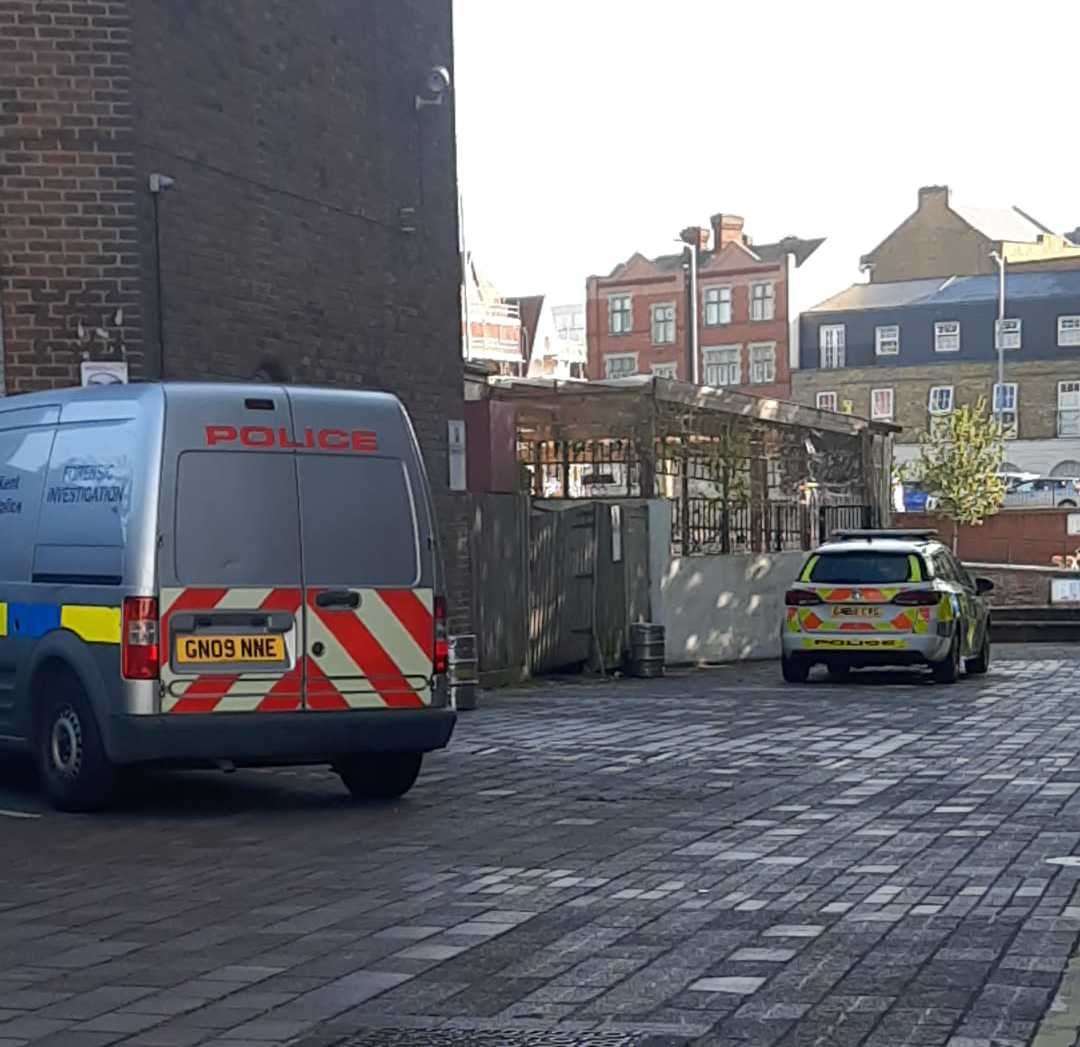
{"type": "Point", "coordinates": [692, 305]}
{"type": "Point", "coordinates": [999, 337]}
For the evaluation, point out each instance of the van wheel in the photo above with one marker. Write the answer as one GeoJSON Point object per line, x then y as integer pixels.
{"type": "Point", "coordinates": [948, 671]}
{"type": "Point", "coordinates": [379, 776]}
{"type": "Point", "coordinates": [75, 771]}
{"type": "Point", "coordinates": [980, 664]}
{"type": "Point", "coordinates": [795, 669]}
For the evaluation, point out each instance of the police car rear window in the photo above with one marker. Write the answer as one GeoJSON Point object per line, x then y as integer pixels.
{"type": "Point", "coordinates": [865, 568]}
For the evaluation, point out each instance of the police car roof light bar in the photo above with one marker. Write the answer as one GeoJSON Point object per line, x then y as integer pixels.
{"type": "Point", "coordinates": [895, 533]}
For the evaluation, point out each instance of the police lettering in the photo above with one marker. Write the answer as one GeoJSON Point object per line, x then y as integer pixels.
{"type": "Point", "coordinates": [361, 441]}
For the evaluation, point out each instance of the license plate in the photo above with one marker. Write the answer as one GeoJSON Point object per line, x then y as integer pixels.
{"type": "Point", "coordinates": [856, 612]}
{"type": "Point", "coordinates": [849, 643]}
{"type": "Point", "coordinates": [218, 650]}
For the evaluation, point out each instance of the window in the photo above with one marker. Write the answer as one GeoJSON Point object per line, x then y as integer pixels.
{"type": "Point", "coordinates": [619, 314]}
{"type": "Point", "coordinates": [1069, 330]}
{"type": "Point", "coordinates": [717, 306]}
{"type": "Point", "coordinates": [826, 402]}
{"type": "Point", "coordinates": [887, 340]}
{"type": "Point", "coordinates": [620, 366]}
{"type": "Point", "coordinates": [831, 339]}
{"type": "Point", "coordinates": [1005, 397]}
{"type": "Point", "coordinates": [762, 302]}
{"type": "Point", "coordinates": [947, 336]}
{"type": "Point", "coordinates": [1007, 334]}
{"type": "Point", "coordinates": [864, 568]}
{"type": "Point", "coordinates": [723, 366]}
{"type": "Point", "coordinates": [1068, 423]}
{"type": "Point", "coordinates": [237, 519]}
{"type": "Point", "coordinates": [941, 399]}
{"type": "Point", "coordinates": [881, 405]}
{"type": "Point", "coordinates": [375, 490]}
{"type": "Point", "coordinates": [663, 324]}
{"type": "Point", "coordinates": [666, 371]}
{"type": "Point", "coordinates": [763, 363]}
{"type": "Point", "coordinates": [945, 567]}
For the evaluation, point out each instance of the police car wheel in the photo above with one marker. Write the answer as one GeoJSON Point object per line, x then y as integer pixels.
{"type": "Point", "coordinates": [948, 671]}
{"type": "Point", "coordinates": [75, 771]}
{"type": "Point", "coordinates": [980, 664]}
{"type": "Point", "coordinates": [379, 776]}
{"type": "Point", "coordinates": [795, 670]}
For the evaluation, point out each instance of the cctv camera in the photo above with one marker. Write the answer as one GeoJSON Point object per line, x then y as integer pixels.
{"type": "Point", "coordinates": [438, 80]}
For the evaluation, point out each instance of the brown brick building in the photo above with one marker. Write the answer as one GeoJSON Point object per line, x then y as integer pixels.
{"type": "Point", "coordinates": [944, 237]}
{"type": "Point", "coordinates": [309, 232]}
{"type": "Point", "coordinates": [636, 316]}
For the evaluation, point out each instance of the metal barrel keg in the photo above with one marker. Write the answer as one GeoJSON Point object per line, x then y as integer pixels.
{"type": "Point", "coordinates": [464, 672]}
{"type": "Point", "coordinates": [646, 649]}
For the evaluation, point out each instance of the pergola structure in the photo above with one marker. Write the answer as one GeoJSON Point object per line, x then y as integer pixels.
{"type": "Point", "coordinates": [744, 471]}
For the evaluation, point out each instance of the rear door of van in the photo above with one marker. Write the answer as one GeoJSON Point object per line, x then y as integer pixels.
{"type": "Point", "coordinates": [229, 558]}
{"type": "Point", "coordinates": [368, 553]}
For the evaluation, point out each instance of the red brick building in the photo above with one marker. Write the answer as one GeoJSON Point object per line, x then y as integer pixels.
{"type": "Point", "coordinates": [637, 315]}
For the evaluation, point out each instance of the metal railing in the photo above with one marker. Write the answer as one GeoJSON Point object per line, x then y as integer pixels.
{"type": "Point", "coordinates": [706, 526]}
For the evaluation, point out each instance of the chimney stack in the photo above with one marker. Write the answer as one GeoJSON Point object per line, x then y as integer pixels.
{"type": "Point", "coordinates": [934, 194]}
{"type": "Point", "coordinates": [696, 235]}
{"type": "Point", "coordinates": [727, 229]}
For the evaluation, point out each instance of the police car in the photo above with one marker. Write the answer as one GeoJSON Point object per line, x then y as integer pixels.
{"type": "Point", "coordinates": [873, 598]}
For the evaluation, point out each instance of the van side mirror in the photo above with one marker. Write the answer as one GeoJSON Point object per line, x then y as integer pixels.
{"type": "Point", "coordinates": [983, 586]}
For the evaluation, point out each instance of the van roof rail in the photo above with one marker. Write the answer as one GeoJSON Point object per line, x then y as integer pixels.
{"type": "Point", "coordinates": [912, 534]}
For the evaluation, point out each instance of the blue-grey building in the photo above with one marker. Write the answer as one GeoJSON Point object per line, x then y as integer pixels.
{"type": "Point", "coordinates": [915, 349]}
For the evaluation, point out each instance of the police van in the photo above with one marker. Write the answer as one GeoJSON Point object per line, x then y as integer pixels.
{"type": "Point", "coordinates": [219, 575]}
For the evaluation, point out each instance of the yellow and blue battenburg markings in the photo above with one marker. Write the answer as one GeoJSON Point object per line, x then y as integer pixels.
{"type": "Point", "coordinates": [31, 621]}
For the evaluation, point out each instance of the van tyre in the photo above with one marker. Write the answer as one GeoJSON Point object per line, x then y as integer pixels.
{"type": "Point", "coordinates": [379, 776]}
{"type": "Point", "coordinates": [948, 671]}
{"type": "Point", "coordinates": [795, 670]}
{"type": "Point", "coordinates": [75, 772]}
{"type": "Point", "coordinates": [980, 664]}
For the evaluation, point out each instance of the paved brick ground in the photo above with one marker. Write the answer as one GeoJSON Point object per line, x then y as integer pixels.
{"type": "Point", "coordinates": [712, 858]}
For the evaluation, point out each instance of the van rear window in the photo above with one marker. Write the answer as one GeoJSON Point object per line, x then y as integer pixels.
{"type": "Point", "coordinates": [862, 568]}
{"type": "Point", "coordinates": [236, 519]}
{"type": "Point", "coordinates": [359, 524]}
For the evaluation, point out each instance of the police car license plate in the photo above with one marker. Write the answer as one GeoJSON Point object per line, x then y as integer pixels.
{"type": "Point", "coordinates": [855, 611]}
{"type": "Point", "coordinates": [219, 649]}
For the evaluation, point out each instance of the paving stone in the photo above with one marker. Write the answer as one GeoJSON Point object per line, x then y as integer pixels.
{"type": "Point", "coordinates": [738, 986]}
{"type": "Point", "coordinates": [859, 864]}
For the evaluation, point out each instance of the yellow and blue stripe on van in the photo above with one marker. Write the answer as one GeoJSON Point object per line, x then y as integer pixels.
{"type": "Point", "coordinates": [31, 621]}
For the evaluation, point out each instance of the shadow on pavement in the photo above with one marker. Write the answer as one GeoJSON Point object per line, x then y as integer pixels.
{"type": "Point", "coordinates": [200, 794]}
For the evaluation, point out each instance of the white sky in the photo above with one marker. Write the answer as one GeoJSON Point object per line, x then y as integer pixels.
{"type": "Point", "coordinates": [588, 129]}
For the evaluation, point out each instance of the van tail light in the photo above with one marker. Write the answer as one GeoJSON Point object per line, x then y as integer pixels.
{"type": "Point", "coordinates": [139, 651]}
{"type": "Point", "coordinates": [801, 598]}
{"type": "Point", "coordinates": [917, 598]}
{"type": "Point", "coordinates": [442, 639]}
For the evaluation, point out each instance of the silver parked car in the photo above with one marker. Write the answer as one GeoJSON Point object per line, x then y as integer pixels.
{"type": "Point", "coordinates": [1043, 492]}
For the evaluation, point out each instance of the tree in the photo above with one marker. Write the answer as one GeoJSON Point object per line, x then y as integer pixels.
{"type": "Point", "coordinates": [959, 459]}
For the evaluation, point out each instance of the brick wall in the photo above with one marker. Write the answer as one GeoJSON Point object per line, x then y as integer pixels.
{"type": "Point", "coordinates": [67, 190]}
{"type": "Point", "coordinates": [1037, 382]}
{"type": "Point", "coordinates": [294, 140]}
{"type": "Point", "coordinates": [295, 144]}
{"type": "Point", "coordinates": [1015, 536]}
